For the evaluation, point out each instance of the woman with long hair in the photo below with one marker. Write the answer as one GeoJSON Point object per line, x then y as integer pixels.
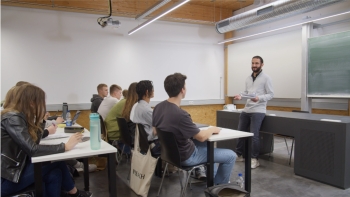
{"type": "Point", "coordinates": [21, 131]}
{"type": "Point", "coordinates": [130, 101]}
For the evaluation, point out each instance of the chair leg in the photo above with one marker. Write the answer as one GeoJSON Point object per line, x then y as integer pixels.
{"type": "Point", "coordinates": [286, 145]}
{"type": "Point", "coordinates": [178, 172]}
{"type": "Point", "coordinates": [161, 183]}
{"type": "Point", "coordinates": [186, 183]}
{"type": "Point", "coordinates": [291, 152]}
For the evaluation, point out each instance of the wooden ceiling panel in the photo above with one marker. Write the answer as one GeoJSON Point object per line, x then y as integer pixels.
{"type": "Point", "coordinates": [196, 11]}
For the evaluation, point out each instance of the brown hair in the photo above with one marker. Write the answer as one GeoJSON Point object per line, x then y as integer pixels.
{"type": "Point", "coordinates": [10, 96]}
{"type": "Point", "coordinates": [30, 101]}
{"type": "Point", "coordinates": [173, 84]}
{"type": "Point", "coordinates": [130, 101]}
{"type": "Point", "coordinates": [125, 93]}
{"type": "Point", "coordinates": [100, 86]}
{"type": "Point", "coordinates": [114, 88]}
{"type": "Point", "coordinates": [21, 83]}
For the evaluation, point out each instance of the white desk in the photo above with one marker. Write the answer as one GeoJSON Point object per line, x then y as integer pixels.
{"type": "Point", "coordinates": [81, 150]}
{"type": "Point", "coordinates": [228, 134]}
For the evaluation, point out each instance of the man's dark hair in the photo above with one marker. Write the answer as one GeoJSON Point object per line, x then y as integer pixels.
{"type": "Point", "coordinates": [260, 58]}
{"type": "Point", "coordinates": [142, 87]}
{"type": "Point", "coordinates": [174, 83]}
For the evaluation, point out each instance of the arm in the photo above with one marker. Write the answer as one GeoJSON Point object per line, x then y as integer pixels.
{"type": "Point", "coordinates": [203, 135]}
{"type": "Point", "coordinates": [17, 128]}
{"type": "Point", "coordinates": [269, 91]}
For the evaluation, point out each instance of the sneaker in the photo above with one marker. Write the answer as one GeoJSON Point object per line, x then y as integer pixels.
{"type": "Point", "coordinates": [80, 193]}
{"type": "Point", "coordinates": [200, 173]}
{"type": "Point", "coordinates": [255, 163]}
{"type": "Point", "coordinates": [80, 167]}
{"type": "Point", "coordinates": [239, 158]}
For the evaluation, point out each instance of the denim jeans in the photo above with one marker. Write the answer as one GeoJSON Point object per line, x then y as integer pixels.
{"type": "Point", "coordinates": [224, 157]}
{"type": "Point", "coordinates": [252, 121]}
{"type": "Point", "coordinates": [55, 177]}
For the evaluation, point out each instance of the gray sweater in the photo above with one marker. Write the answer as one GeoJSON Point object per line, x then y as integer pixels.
{"type": "Point", "coordinates": [262, 86]}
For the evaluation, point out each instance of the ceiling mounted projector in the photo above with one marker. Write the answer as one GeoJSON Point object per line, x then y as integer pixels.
{"type": "Point", "coordinates": [110, 23]}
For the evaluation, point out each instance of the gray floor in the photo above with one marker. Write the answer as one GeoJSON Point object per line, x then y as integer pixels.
{"type": "Point", "coordinates": [274, 177]}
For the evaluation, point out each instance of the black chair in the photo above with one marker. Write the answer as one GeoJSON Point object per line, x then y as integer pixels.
{"type": "Point", "coordinates": [126, 137]}
{"type": "Point", "coordinates": [171, 154]}
{"type": "Point", "coordinates": [103, 129]}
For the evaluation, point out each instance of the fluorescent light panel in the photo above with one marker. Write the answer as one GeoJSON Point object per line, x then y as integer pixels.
{"type": "Point", "coordinates": [314, 20]}
{"type": "Point", "coordinates": [178, 4]}
{"type": "Point", "coordinates": [152, 9]}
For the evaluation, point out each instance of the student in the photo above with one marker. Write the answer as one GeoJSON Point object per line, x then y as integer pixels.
{"type": "Point", "coordinates": [96, 99]}
{"type": "Point", "coordinates": [169, 117]}
{"type": "Point", "coordinates": [116, 112]}
{"type": "Point", "coordinates": [129, 103]}
{"type": "Point", "coordinates": [141, 113]}
{"type": "Point", "coordinates": [115, 93]}
{"type": "Point", "coordinates": [21, 131]}
{"type": "Point", "coordinates": [254, 111]}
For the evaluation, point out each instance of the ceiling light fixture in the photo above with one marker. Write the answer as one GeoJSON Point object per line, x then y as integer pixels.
{"type": "Point", "coordinates": [309, 21]}
{"type": "Point", "coordinates": [151, 9]}
{"type": "Point", "coordinates": [176, 5]}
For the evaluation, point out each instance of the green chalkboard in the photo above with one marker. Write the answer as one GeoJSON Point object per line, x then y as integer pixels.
{"type": "Point", "coordinates": [329, 65]}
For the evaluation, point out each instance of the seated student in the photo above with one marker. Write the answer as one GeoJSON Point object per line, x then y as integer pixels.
{"type": "Point", "coordinates": [111, 118]}
{"type": "Point", "coordinates": [96, 99]}
{"type": "Point", "coordinates": [129, 103]}
{"type": "Point", "coordinates": [169, 117]}
{"type": "Point", "coordinates": [141, 113]}
{"type": "Point", "coordinates": [21, 131]}
{"type": "Point", "coordinates": [115, 93]}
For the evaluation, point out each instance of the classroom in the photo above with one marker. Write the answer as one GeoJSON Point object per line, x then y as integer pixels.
{"type": "Point", "coordinates": [67, 48]}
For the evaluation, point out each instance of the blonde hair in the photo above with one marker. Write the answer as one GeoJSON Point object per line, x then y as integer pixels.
{"type": "Point", "coordinates": [29, 100]}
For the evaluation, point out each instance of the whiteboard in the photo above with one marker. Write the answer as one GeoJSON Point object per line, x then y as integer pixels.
{"type": "Point", "coordinates": [282, 62]}
{"type": "Point", "coordinates": [69, 54]}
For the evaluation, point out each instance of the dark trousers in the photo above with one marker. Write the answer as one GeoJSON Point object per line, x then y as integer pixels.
{"type": "Point", "coordinates": [55, 177]}
{"type": "Point", "coordinates": [252, 121]}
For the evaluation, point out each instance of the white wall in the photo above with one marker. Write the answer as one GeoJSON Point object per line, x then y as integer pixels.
{"type": "Point", "coordinates": [328, 26]}
{"type": "Point", "coordinates": [69, 54]}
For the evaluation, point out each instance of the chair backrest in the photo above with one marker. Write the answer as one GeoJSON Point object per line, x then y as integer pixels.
{"type": "Point", "coordinates": [300, 111]}
{"type": "Point", "coordinates": [143, 138]}
{"type": "Point", "coordinates": [170, 151]}
{"type": "Point", "coordinates": [103, 129]}
{"type": "Point", "coordinates": [124, 131]}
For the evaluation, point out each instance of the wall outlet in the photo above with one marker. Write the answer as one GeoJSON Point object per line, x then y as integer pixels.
{"type": "Point", "coordinates": [191, 102]}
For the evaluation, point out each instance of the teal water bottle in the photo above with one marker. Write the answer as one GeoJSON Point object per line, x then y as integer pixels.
{"type": "Point", "coordinates": [95, 131]}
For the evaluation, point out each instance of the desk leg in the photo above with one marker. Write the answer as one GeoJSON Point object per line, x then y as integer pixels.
{"type": "Point", "coordinates": [210, 165]}
{"type": "Point", "coordinates": [248, 168]}
{"type": "Point", "coordinates": [112, 175]}
{"type": "Point", "coordinates": [38, 180]}
{"type": "Point", "coordinates": [86, 174]}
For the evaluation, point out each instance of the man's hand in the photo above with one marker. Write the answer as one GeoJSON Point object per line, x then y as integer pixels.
{"type": "Point", "coordinates": [237, 97]}
{"type": "Point", "coordinates": [215, 130]}
{"type": "Point", "coordinates": [256, 99]}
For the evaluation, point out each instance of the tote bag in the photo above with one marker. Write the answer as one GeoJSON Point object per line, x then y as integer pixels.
{"type": "Point", "coordinates": [142, 169]}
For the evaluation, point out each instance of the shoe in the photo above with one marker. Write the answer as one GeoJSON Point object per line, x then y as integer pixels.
{"type": "Point", "coordinates": [255, 163]}
{"type": "Point", "coordinates": [200, 173]}
{"type": "Point", "coordinates": [239, 158]}
{"type": "Point", "coordinates": [80, 193]}
{"type": "Point", "coordinates": [80, 167]}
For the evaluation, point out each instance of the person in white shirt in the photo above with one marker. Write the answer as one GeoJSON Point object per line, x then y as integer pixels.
{"type": "Point", "coordinates": [115, 92]}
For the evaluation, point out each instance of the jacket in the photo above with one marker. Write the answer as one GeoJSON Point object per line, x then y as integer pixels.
{"type": "Point", "coordinates": [95, 102]}
{"type": "Point", "coordinates": [17, 145]}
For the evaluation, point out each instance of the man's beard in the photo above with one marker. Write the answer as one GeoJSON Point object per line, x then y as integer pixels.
{"type": "Point", "coordinates": [257, 69]}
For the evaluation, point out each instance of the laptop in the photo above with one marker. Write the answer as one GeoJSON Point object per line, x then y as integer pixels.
{"type": "Point", "coordinates": [75, 118]}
